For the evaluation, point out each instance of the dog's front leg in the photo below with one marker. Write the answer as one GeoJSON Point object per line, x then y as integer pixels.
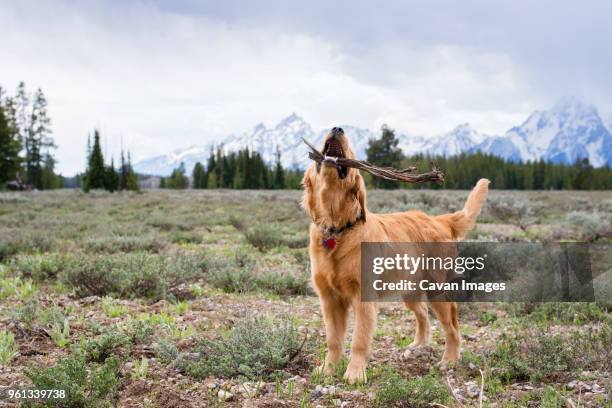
{"type": "Point", "coordinates": [335, 314]}
{"type": "Point", "coordinates": [365, 323]}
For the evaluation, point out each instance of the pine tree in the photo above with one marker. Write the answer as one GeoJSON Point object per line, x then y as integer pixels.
{"type": "Point", "coordinates": [22, 109]}
{"type": "Point", "coordinates": [95, 175]}
{"type": "Point", "coordinates": [123, 173]}
{"type": "Point", "coordinates": [131, 177]}
{"type": "Point", "coordinates": [384, 152]}
{"type": "Point", "coordinates": [177, 179]}
{"type": "Point", "coordinates": [112, 178]}
{"type": "Point", "coordinates": [38, 140]}
{"type": "Point", "coordinates": [50, 180]}
{"type": "Point", "coordinates": [199, 176]}
{"type": "Point", "coordinates": [10, 145]}
{"type": "Point", "coordinates": [279, 172]}
{"type": "Point", "coordinates": [219, 169]}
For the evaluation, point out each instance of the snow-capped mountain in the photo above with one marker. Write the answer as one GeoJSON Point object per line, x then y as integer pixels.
{"type": "Point", "coordinates": [286, 136]}
{"type": "Point", "coordinates": [570, 129]}
{"type": "Point", "coordinates": [460, 139]}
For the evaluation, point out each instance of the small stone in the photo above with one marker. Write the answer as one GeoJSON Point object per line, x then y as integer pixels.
{"type": "Point", "coordinates": [212, 385]}
{"type": "Point", "coordinates": [324, 391]}
{"type": "Point", "coordinates": [586, 387]}
{"type": "Point", "coordinates": [225, 395]}
{"type": "Point", "coordinates": [332, 390]}
{"type": "Point", "coordinates": [571, 385]}
{"type": "Point", "coordinates": [317, 392]}
{"type": "Point", "coordinates": [344, 404]}
{"type": "Point", "coordinates": [473, 389]}
{"type": "Point", "coordinates": [471, 366]}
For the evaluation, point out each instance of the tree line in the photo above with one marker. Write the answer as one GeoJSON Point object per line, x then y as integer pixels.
{"type": "Point", "coordinates": [244, 169]}
{"type": "Point", "coordinates": [247, 169]}
{"type": "Point", "coordinates": [462, 171]}
{"type": "Point", "coordinates": [26, 142]}
{"type": "Point", "coordinates": [99, 175]}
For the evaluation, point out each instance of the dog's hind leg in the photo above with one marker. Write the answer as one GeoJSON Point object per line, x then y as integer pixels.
{"type": "Point", "coordinates": [335, 315]}
{"type": "Point", "coordinates": [421, 337]}
{"type": "Point", "coordinates": [446, 312]}
{"type": "Point", "coordinates": [365, 323]}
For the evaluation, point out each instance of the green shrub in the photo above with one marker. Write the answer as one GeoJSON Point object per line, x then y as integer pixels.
{"type": "Point", "coordinates": [106, 345]}
{"type": "Point", "coordinates": [123, 243]}
{"type": "Point", "coordinates": [238, 223]}
{"type": "Point", "coordinates": [8, 347]}
{"type": "Point", "coordinates": [111, 308]}
{"type": "Point", "coordinates": [240, 276]}
{"type": "Point", "coordinates": [181, 237]}
{"type": "Point", "coordinates": [140, 331]}
{"type": "Point", "coordinates": [284, 283]}
{"type": "Point", "coordinates": [164, 223]}
{"type": "Point", "coordinates": [166, 351]}
{"type": "Point", "coordinates": [559, 312]}
{"type": "Point", "coordinates": [231, 279]}
{"type": "Point", "coordinates": [141, 369]}
{"type": "Point", "coordinates": [132, 275]}
{"type": "Point", "coordinates": [536, 356]}
{"type": "Point", "coordinates": [60, 333]}
{"type": "Point", "coordinates": [41, 266]}
{"type": "Point", "coordinates": [94, 385]}
{"type": "Point", "coordinates": [255, 348]}
{"type": "Point", "coordinates": [264, 236]}
{"type": "Point", "coordinates": [414, 392]}
{"type": "Point", "coordinates": [552, 399]}
{"type": "Point", "coordinates": [53, 315]}
{"type": "Point", "coordinates": [29, 242]}
{"type": "Point", "coordinates": [590, 225]}
{"type": "Point", "coordinates": [23, 289]}
{"type": "Point", "coordinates": [26, 313]}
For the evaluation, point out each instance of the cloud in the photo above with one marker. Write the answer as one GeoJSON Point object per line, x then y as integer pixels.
{"type": "Point", "coordinates": [159, 76]}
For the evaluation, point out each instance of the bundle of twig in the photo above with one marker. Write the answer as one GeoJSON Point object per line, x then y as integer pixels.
{"type": "Point", "coordinates": [408, 175]}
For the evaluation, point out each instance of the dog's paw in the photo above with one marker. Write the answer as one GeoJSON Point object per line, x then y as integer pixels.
{"type": "Point", "coordinates": [325, 370]}
{"type": "Point", "coordinates": [448, 361]}
{"type": "Point", "coordinates": [419, 343]}
{"type": "Point", "coordinates": [356, 373]}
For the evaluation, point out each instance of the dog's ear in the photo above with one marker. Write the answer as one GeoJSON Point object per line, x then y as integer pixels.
{"type": "Point", "coordinates": [360, 192]}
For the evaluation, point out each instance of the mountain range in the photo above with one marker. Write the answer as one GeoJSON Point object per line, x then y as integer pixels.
{"type": "Point", "coordinates": [569, 130]}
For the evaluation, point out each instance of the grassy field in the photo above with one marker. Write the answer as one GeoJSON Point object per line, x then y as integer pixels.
{"type": "Point", "coordinates": [203, 298]}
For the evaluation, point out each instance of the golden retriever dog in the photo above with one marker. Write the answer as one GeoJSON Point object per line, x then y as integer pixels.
{"type": "Point", "coordinates": [335, 199]}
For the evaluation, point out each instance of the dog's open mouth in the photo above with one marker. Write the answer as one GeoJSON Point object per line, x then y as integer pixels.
{"type": "Point", "coordinates": [333, 150]}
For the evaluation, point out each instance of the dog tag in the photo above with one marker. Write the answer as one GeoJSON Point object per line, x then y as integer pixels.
{"type": "Point", "coordinates": [329, 243]}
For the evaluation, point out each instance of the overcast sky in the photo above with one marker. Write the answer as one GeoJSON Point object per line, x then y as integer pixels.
{"type": "Point", "coordinates": [165, 75]}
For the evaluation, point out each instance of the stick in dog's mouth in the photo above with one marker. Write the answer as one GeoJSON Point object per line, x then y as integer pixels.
{"type": "Point", "coordinates": [333, 155]}
{"type": "Point", "coordinates": [332, 152]}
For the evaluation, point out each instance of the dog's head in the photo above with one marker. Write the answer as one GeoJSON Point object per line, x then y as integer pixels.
{"type": "Point", "coordinates": [334, 195]}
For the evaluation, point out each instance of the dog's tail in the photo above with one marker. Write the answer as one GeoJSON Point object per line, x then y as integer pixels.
{"type": "Point", "coordinates": [462, 222]}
